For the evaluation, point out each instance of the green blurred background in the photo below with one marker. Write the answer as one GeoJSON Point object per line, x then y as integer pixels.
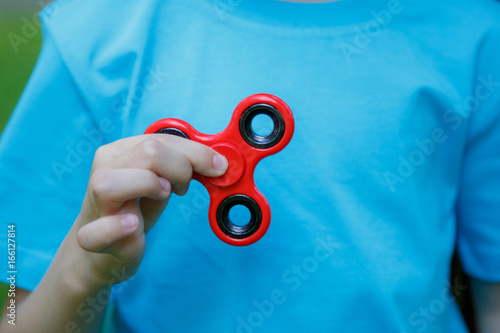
{"type": "Point", "coordinates": [15, 67]}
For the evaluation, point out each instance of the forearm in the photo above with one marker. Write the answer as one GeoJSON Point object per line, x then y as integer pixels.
{"type": "Point", "coordinates": [486, 297]}
{"type": "Point", "coordinates": [66, 299]}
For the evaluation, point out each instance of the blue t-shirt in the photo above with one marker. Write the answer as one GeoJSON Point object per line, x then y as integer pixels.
{"type": "Point", "coordinates": [395, 158]}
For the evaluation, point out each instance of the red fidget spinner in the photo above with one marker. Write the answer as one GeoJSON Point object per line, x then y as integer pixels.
{"type": "Point", "coordinates": [243, 149]}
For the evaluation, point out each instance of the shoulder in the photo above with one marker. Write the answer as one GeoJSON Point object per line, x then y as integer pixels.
{"type": "Point", "coordinates": [100, 42]}
{"type": "Point", "coordinates": [94, 20]}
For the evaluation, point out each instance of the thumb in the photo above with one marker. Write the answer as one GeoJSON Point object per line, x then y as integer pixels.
{"type": "Point", "coordinates": [115, 234]}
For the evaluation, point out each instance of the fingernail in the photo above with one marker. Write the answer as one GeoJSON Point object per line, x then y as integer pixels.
{"type": "Point", "coordinates": [219, 162]}
{"type": "Point", "coordinates": [165, 184]}
{"type": "Point", "coordinates": [129, 222]}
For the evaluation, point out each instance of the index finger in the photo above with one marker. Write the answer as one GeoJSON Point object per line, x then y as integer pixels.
{"type": "Point", "coordinates": [203, 159]}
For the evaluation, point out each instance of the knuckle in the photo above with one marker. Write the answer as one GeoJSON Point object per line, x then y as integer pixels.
{"type": "Point", "coordinates": [150, 150]}
{"type": "Point", "coordinates": [186, 172]}
{"type": "Point", "coordinates": [102, 156]}
{"type": "Point", "coordinates": [101, 153]}
{"type": "Point", "coordinates": [100, 183]}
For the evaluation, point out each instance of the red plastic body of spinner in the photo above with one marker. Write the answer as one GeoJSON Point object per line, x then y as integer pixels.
{"type": "Point", "coordinates": [242, 158]}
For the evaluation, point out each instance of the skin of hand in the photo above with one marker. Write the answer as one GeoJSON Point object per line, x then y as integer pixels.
{"type": "Point", "coordinates": [130, 184]}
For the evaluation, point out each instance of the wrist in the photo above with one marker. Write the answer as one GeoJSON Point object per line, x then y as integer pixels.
{"type": "Point", "coordinates": [90, 271]}
{"type": "Point", "coordinates": [79, 272]}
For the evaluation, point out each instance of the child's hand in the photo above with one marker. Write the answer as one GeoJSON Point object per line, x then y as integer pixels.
{"type": "Point", "coordinates": [130, 184]}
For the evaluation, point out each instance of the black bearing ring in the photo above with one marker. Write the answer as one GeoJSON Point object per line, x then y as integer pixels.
{"type": "Point", "coordinates": [173, 131]}
{"type": "Point", "coordinates": [228, 227]}
{"type": "Point", "coordinates": [259, 141]}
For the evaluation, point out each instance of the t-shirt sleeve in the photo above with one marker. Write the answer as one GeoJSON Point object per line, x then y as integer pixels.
{"type": "Point", "coordinates": [479, 200]}
{"type": "Point", "coordinates": [46, 152]}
